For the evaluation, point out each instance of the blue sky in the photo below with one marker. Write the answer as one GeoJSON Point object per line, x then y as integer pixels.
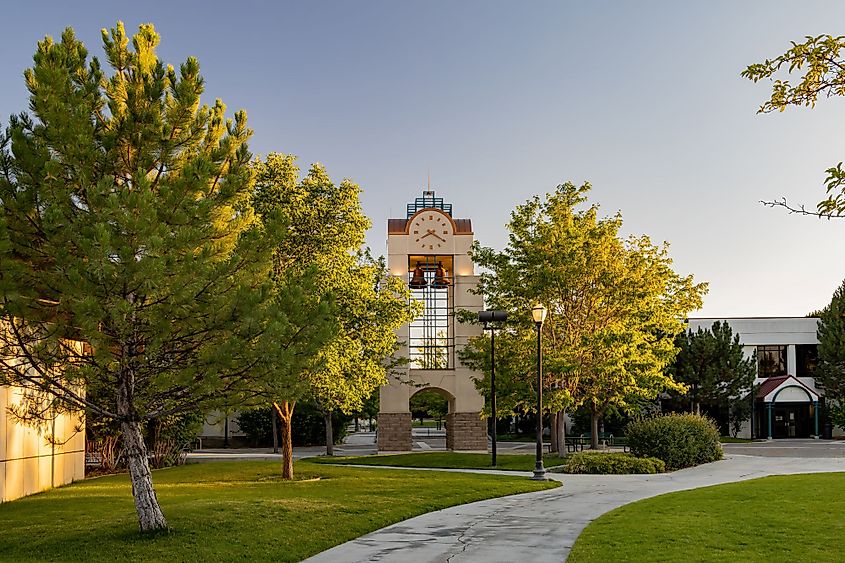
{"type": "Point", "coordinates": [503, 100]}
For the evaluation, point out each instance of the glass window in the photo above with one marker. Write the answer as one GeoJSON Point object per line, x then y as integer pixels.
{"type": "Point", "coordinates": [431, 342]}
{"type": "Point", "coordinates": [807, 356]}
{"type": "Point", "coordinates": [771, 361]}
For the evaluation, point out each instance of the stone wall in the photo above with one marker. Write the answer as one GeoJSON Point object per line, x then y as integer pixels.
{"type": "Point", "coordinates": [466, 431]}
{"type": "Point", "coordinates": [394, 432]}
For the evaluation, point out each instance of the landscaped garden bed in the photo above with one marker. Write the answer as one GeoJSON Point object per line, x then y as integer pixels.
{"type": "Point", "coordinates": [611, 463]}
{"type": "Point", "coordinates": [234, 511]}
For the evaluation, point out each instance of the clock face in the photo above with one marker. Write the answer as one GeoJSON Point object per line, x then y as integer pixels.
{"type": "Point", "coordinates": [429, 231]}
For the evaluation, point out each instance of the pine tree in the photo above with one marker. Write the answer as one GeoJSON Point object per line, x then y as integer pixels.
{"type": "Point", "coordinates": [830, 373]}
{"type": "Point", "coordinates": [126, 225]}
{"type": "Point", "coordinates": [712, 364]}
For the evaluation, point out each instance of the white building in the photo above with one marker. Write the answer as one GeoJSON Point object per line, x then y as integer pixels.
{"type": "Point", "coordinates": [787, 401]}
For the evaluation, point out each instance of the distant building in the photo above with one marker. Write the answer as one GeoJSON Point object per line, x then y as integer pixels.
{"type": "Point", "coordinates": [787, 402]}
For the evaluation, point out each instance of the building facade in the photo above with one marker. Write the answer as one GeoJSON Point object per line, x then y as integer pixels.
{"type": "Point", "coordinates": [429, 249]}
{"type": "Point", "coordinates": [36, 458]}
{"type": "Point", "coordinates": [787, 402]}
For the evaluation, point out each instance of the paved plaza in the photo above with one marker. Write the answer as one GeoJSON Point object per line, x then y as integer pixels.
{"type": "Point", "coordinates": [543, 526]}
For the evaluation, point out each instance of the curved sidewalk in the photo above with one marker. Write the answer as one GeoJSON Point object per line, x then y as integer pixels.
{"type": "Point", "coordinates": [542, 526]}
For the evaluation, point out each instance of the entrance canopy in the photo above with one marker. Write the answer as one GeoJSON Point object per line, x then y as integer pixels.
{"type": "Point", "coordinates": [778, 393]}
{"type": "Point", "coordinates": [786, 389]}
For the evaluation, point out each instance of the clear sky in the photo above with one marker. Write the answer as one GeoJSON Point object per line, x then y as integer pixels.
{"type": "Point", "coordinates": [503, 100]}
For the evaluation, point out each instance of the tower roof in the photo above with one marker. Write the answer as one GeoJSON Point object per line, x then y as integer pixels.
{"type": "Point", "coordinates": [427, 201]}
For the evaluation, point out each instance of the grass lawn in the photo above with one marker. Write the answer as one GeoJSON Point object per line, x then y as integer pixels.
{"type": "Point", "coordinates": [447, 460]}
{"type": "Point", "coordinates": [230, 511]}
{"type": "Point", "coordinates": [732, 440]}
{"type": "Point", "coordinates": [783, 518]}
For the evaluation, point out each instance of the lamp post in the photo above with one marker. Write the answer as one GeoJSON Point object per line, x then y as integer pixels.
{"type": "Point", "coordinates": [488, 318]}
{"type": "Point", "coordinates": [538, 312]}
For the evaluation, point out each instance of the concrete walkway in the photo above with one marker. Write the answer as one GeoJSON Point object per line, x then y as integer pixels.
{"type": "Point", "coordinates": [542, 526]}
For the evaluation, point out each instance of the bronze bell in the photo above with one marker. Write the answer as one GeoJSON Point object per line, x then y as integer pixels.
{"type": "Point", "coordinates": [440, 280]}
{"type": "Point", "coordinates": [418, 279]}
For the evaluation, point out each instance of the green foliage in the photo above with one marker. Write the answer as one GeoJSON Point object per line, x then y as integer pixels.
{"type": "Point", "coordinates": [257, 424]}
{"type": "Point", "coordinates": [600, 463]}
{"type": "Point", "coordinates": [830, 373]}
{"type": "Point", "coordinates": [126, 223]}
{"type": "Point", "coordinates": [429, 404]}
{"type": "Point", "coordinates": [326, 229]}
{"type": "Point", "coordinates": [614, 304]}
{"type": "Point", "coordinates": [712, 364]}
{"type": "Point", "coordinates": [680, 440]}
{"type": "Point", "coordinates": [307, 427]}
{"type": "Point", "coordinates": [820, 60]}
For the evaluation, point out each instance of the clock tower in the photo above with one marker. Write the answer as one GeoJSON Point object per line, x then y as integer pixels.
{"type": "Point", "coordinates": [429, 249]}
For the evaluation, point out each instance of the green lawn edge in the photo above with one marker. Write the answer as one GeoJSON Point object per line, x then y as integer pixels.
{"type": "Point", "coordinates": [445, 460]}
{"type": "Point", "coordinates": [775, 518]}
{"type": "Point", "coordinates": [239, 510]}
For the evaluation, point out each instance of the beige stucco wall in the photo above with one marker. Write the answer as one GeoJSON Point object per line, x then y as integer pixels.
{"type": "Point", "coordinates": [35, 459]}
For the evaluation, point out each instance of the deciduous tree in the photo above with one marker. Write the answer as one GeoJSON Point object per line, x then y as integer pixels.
{"type": "Point", "coordinates": [615, 305]}
{"type": "Point", "coordinates": [821, 66]}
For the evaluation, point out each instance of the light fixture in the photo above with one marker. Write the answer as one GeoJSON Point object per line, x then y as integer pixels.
{"type": "Point", "coordinates": [539, 312]}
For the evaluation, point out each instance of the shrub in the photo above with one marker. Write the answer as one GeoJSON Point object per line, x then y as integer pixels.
{"type": "Point", "coordinates": [307, 429]}
{"type": "Point", "coordinates": [680, 440]}
{"type": "Point", "coordinates": [599, 463]}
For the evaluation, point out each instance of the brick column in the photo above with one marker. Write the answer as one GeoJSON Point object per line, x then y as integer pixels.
{"type": "Point", "coordinates": [394, 432]}
{"type": "Point", "coordinates": [466, 431]}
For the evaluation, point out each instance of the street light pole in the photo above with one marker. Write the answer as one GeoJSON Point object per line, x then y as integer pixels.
{"type": "Point", "coordinates": [493, 389]}
{"type": "Point", "coordinates": [489, 317]}
{"type": "Point", "coordinates": [538, 312]}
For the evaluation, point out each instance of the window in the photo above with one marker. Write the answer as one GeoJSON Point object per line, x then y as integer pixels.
{"type": "Point", "coordinates": [807, 356]}
{"type": "Point", "coordinates": [431, 342]}
{"type": "Point", "coordinates": [771, 361]}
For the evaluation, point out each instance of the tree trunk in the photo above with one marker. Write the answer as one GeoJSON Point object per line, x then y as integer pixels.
{"type": "Point", "coordinates": [594, 429]}
{"type": "Point", "coordinates": [150, 517]}
{"type": "Point", "coordinates": [553, 442]}
{"type": "Point", "coordinates": [327, 417]}
{"type": "Point", "coordinates": [357, 428]}
{"type": "Point", "coordinates": [275, 431]}
{"type": "Point", "coordinates": [285, 411]}
{"type": "Point", "coordinates": [561, 433]}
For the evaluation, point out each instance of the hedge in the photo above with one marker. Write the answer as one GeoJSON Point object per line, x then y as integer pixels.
{"type": "Point", "coordinates": [599, 463]}
{"type": "Point", "coordinates": [680, 440]}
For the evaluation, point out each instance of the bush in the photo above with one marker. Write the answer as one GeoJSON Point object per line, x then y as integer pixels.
{"type": "Point", "coordinates": [598, 463]}
{"type": "Point", "coordinates": [680, 440]}
{"type": "Point", "coordinates": [307, 429]}
{"type": "Point", "coordinates": [257, 424]}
